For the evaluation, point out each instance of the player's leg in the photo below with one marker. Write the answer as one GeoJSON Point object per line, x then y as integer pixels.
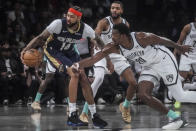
{"type": "Point", "coordinates": [186, 70]}
{"type": "Point", "coordinates": [124, 107]}
{"type": "Point", "coordinates": [180, 94]}
{"type": "Point", "coordinates": [73, 119]}
{"type": "Point", "coordinates": [99, 73]}
{"type": "Point", "coordinates": [88, 95]}
{"type": "Point", "coordinates": [122, 67]}
{"type": "Point", "coordinates": [145, 94]}
{"type": "Point", "coordinates": [192, 84]}
{"type": "Point", "coordinates": [50, 71]}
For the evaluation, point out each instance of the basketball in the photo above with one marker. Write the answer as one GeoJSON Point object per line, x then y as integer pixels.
{"type": "Point", "coordinates": [32, 58]}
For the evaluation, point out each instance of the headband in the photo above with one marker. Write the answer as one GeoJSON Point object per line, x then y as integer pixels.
{"type": "Point", "coordinates": [75, 12]}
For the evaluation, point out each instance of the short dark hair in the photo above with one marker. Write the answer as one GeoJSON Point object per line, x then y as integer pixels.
{"type": "Point", "coordinates": [77, 8]}
{"type": "Point", "coordinates": [122, 28]}
{"type": "Point", "coordinates": [118, 2]}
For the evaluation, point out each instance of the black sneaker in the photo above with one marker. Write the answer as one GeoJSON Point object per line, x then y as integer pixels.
{"type": "Point", "coordinates": [74, 120]}
{"type": "Point", "coordinates": [98, 122]}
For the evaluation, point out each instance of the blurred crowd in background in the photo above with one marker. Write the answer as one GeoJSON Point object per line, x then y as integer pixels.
{"type": "Point", "coordinates": [21, 20]}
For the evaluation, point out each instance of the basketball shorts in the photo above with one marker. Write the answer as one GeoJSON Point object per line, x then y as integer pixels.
{"type": "Point", "coordinates": [58, 61]}
{"type": "Point", "coordinates": [187, 63]}
{"type": "Point", "coordinates": [166, 69]}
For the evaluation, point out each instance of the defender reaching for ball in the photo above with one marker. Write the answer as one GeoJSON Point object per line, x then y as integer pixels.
{"type": "Point", "coordinates": [61, 52]}
{"type": "Point", "coordinates": [157, 62]}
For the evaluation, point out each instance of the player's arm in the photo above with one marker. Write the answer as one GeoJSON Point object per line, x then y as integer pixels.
{"type": "Point", "coordinates": [108, 49]}
{"type": "Point", "coordinates": [38, 40]}
{"type": "Point", "coordinates": [185, 31]}
{"type": "Point", "coordinates": [101, 26]}
{"type": "Point", "coordinates": [152, 39]}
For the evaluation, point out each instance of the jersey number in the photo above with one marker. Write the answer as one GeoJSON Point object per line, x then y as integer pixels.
{"type": "Point", "coordinates": [140, 60]}
{"type": "Point", "coordinates": [65, 46]}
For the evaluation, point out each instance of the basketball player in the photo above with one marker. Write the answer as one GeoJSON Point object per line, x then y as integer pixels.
{"type": "Point", "coordinates": [157, 62]}
{"type": "Point", "coordinates": [61, 52]}
{"type": "Point", "coordinates": [187, 66]}
{"type": "Point", "coordinates": [121, 66]}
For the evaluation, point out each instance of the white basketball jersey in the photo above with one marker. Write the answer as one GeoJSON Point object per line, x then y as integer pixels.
{"type": "Point", "coordinates": [106, 36]}
{"type": "Point", "coordinates": [191, 40]}
{"type": "Point", "coordinates": [144, 56]}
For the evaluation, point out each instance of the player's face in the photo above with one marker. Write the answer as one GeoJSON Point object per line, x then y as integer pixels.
{"type": "Point", "coordinates": [116, 36]}
{"type": "Point", "coordinates": [72, 19]}
{"type": "Point", "coordinates": [116, 10]}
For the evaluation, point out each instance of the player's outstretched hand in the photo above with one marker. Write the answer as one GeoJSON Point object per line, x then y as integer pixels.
{"type": "Point", "coordinates": [185, 49]}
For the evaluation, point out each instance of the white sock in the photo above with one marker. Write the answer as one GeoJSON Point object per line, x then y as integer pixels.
{"type": "Point", "coordinates": [190, 86]}
{"type": "Point", "coordinates": [72, 108]}
{"type": "Point", "coordinates": [92, 109]}
{"type": "Point", "coordinates": [180, 94]}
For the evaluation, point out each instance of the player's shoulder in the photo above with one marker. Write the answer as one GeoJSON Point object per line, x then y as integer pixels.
{"type": "Point", "coordinates": [188, 26]}
{"type": "Point", "coordinates": [88, 28]}
{"type": "Point", "coordinates": [88, 31]}
{"type": "Point", "coordinates": [57, 21]}
{"type": "Point", "coordinates": [143, 34]}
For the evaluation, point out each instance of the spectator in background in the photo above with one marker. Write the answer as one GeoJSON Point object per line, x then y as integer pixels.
{"type": "Point", "coordinates": [12, 76]}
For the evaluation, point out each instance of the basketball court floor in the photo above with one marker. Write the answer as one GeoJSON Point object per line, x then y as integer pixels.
{"type": "Point", "coordinates": [52, 118]}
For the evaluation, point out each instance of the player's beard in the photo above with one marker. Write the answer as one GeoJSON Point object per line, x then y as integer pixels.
{"type": "Point", "coordinates": [72, 24]}
{"type": "Point", "coordinates": [115, 17]}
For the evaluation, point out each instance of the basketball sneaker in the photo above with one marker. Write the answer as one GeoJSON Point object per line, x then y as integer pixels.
{"type": "Point", "coordinates": [36, 105]}
{"type": "Point", "coordinates": [126, 115]}
{"type": "Point", "coordinates": [74, 120]}
{"type": "Point", "coordinates": [84, 117]}
{"type": "Point", "coordinates": [174, 124]}
{"type": "Point", "coordinates": [98, 122]}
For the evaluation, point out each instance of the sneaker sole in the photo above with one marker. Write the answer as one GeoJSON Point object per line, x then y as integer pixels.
{"type": "Point", "coordinates": [166, 128]}
{"type": "Point", "coordinates": [97, 126]}
{"type": "Point", "coordinates": [73, 124]}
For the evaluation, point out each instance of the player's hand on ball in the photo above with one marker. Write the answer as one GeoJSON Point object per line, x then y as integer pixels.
{"type": "Point", "coordinates": [22, 55]}
{"type": "Point", "coordinates": [75, 67]}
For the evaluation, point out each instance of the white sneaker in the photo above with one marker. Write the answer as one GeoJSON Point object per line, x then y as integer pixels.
{"type": "Point", "coordinates": [174, 125]}
{"type": "Point", "coordinates": [101, 101]}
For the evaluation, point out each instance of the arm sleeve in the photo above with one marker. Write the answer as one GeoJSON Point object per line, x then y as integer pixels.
{"type": "Point", "coordinates": [55, 27]}
{"type": "Point", "coordinates": [88, 32]}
